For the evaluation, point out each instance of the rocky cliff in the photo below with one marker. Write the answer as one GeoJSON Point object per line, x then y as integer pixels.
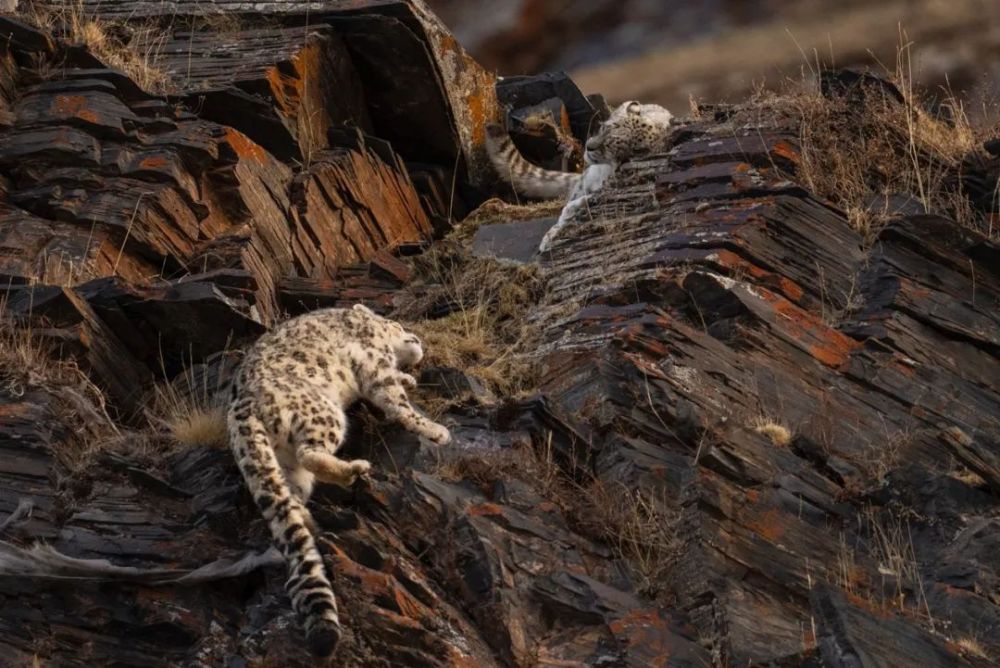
{"type": "Point", "coordinates": [745, 412]}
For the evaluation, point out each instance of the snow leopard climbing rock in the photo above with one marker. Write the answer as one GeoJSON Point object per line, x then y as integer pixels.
{"type": "Point", "coordinates": [632, 130]}
{"type": "Point", "coordinates": [286, 420]}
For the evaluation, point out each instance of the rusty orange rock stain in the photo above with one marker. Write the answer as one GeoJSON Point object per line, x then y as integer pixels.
{"type": "Point", "coordinates": [290, 90]}
{"type": "Point", "coordinates": [73, 105]}
{"type": "Point", "coordinates": [868, 605]}
{"type": "Point", "coordinates": [287, 91]}
{"type": "Point", "coordinates": [153, 162]}
{"type": "Point", "coordinates": [458, 659]}
{"type": "Point", "coordinates": [822, 342]}
{"type": "Point", "coordinates": [769, 525]}
{"type": "Point", "coordinates": [646, 630]}
{"type": "Point", "coordinates": [477, 106]}
{"type": "Point", "coordinates": [809, 638]}
{"type": "Point", "coordinates": [245, 147]}
{"type": "Point", "coordinates": [485, 510]}
{"type": "Point", "coordinates": [791, 289]}
{"type": "Point", "coordinates": [784, 149]}
{"type": "Point", "coordinates": [753, 496]}
{"type": "Point", "coordinates": [448, 43]}
{"type": "Point", "coordinates": [407, 604]}
{"type": "Point", "coordinates": [547, 507]}
{"type": "Point", "coordinates": [903, 369]}
{"type": "Point", "coordinates": [913, 289]}
{"type": "Point", "coordinates": [644, 616]}
{"type": "Point", "coordinates": [736, 263]}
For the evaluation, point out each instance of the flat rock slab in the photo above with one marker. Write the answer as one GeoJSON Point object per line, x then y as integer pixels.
{"type": "Point", "coordinates": [511, 241]}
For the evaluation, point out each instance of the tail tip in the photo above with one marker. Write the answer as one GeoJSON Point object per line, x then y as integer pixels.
{"type": "Point", "coordinates": [323, 639]}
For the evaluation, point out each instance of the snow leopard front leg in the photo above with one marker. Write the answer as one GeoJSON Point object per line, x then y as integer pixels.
{"type": "Point", "coordinates": [385, 389]}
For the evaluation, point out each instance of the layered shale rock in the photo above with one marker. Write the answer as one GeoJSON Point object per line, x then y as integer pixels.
{"type": "Point", "coordinates": [749, 434]}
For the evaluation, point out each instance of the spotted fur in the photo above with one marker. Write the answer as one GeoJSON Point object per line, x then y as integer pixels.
{"type": "Point", "coordinates": [632, 130]}
{"type": "Point", "coordinates": [286, 420]}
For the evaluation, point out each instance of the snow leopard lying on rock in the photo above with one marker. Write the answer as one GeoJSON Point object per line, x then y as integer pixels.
{"type": "Point", "coordinates": [286, 421]}
{"type": "Point", "coordinates": [632, 130]}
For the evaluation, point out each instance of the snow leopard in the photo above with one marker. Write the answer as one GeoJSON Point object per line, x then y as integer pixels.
{"type": "Point", "coordinates": [632, 130]}
{"type": "Point", "coordinates": [286, 421]}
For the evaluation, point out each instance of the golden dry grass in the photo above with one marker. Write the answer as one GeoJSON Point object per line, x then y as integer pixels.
{"type": "Point", "coordinates": [133, 48]}
{"type": "Point", "coordinates": [896, 585]}
{"type": "Point", "coordinates": [882, 455]}
{"type": "Point", "coordinates": [189, 411]}
{"type": "Point", "coordinates": [773, 430]}
{"type": "Point", "coordinates": [857, 157]}
{"type": "Point", "coordinates": [485, 333]}
{"type": "Point", "coordinates": [969, 646]}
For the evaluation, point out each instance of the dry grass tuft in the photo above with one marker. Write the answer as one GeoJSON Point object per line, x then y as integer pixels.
{"type": "Point", "coordinates": [890, 581]}
{"type": "Point", "coordinates": [639, 524]}
{"type": "Point", "coordinates": [133, 48]}
{"type": "Point", "coordinates": [193, 426]}
{"type": "Point", "coordinates": [969, 646]}
{"type": "Point", "coordinates": [483, 330]}
{"type": "Point", "coordinates": [776, 432]}
{"type": "Point", "coordinates": [881, 456]}
{"type": "Point", "coordinates": [189, 410]}
{"type": "Point", "coordinates": [27, 365]}
{"type": "Point", "coordinates": [858, 155]}
{"type": "Point", "coordinates": [890, 542]}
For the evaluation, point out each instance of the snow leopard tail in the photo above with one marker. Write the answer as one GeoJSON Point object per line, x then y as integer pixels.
{"type": "Point", "coordinates": [308, 585]}
{"type": "Point", "coordinates": [527, 179]}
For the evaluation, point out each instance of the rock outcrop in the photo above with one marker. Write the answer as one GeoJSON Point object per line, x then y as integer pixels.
{"type": "Point", "coordinates": [753, 436]}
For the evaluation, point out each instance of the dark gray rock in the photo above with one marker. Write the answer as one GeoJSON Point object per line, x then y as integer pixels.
{"type": "Point", "coordinates": [517, 241]}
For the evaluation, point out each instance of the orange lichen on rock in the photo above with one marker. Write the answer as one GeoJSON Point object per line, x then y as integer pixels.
{"type": "Point", "coordinates": [824, 343]}
{"type": "Point", "coordinates": [73, 106]}
{"type": "Point", "coordinates": [769, 524]}
{"type": "Point", "coordinates": [245, 147]}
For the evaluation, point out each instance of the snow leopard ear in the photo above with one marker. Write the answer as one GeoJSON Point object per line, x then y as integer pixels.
{"type": "Point", "coordinates": [633, 108]}
{"type": "Point", "coordinates": [363, 309]}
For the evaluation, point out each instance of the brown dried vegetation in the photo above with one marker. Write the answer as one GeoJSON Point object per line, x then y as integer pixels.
{"type": "Point", "coordinates": [134, 48]}
{"type": "Point", "coordinates": [858, 156]}
{"type": "Point", "coordinates": [482, 329]}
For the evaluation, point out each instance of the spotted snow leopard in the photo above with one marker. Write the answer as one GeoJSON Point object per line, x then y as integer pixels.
{"type": "Point", "coordinates": [286, 420]}
{"type": "Point", "coordinates": [632, 130]}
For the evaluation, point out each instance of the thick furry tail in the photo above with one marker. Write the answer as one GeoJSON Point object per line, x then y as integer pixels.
{"type": "Point", "coordinates": [528, 180]}
{"type": "Point", "coordinates": [308, 585]}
